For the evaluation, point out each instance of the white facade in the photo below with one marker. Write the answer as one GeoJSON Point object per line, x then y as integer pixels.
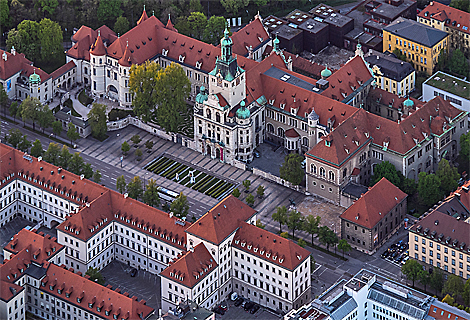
{"type": "Point", "coordinates": [14, 308]}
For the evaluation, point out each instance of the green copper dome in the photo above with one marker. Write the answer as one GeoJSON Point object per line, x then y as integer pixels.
{"type": "Point", "coordinates": [242, 112]}
{"type": "Point", "coordinates": [34, 78]}
{"type": "Point", "coordinates": [226, 41]}
{"type": "Point", "coordinates": [326, 73]}
{"type": "Point", "coordinates": [276, 44]}
{"type": "Point", "coordinates": [202, 95]}
{"type": "Point", "coordinates": [408, 102]}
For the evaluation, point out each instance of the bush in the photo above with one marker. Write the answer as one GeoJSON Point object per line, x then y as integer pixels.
{"type": "Point", "coordinates": [116, 114]}
{"type": "Point", "coordinates": [284, 234]}
{"type": "Point", "coordinates": [448, 299]}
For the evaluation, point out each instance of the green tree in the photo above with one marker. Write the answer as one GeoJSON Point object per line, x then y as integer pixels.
{"type": "Point", "coordinates": [136, 139]}
{"type": "Point", "coordinates": [87, 171]}
{"type": "Point", "coordinates": [284, 235]}
{"type": "Point", "coordinates": [180, 206]}
{"type": "Point", "coordinates": [386, 170]}
{"type": "Point", "coordinates": [134, 188]}
{"type": "Point", "coordinates": [344, 246]}
{"type": "Point", "coordinates": [97, 176]}
{"type": "Point", "coordinates": [291, 170]}
{"type": "Point", "coordinates": [195, 6]}
{"type": "Point", "coordinates": [311, 225]}
{"type": "Point", "coordinates": [466, 292]}
{"type": "Point", "coordinates": [138, 154]}
{"type": "Point", "coordinates": [121, 184]}
{"type": "Point", "coordinates": [142, 83]}
{"type": "Point", "coordinates": [13, 110]}
{"type": "Point", "coordinates": [36, 149]}
{"type": "Point", "coordinates": [14, 137]}
{"type": "Point", "coordinates": [50, 39]}
{"type": "Point", "coordinates": [121, 26]}
{"type": "Point", "coordinates": [24, 144]}
{"type": "Point", "coordinates": [30, 108]}
{"type": "Point", "coordinates": [280, 216]}
{"type": "Point", "coordinates": [48, 6]}
{"type": "Point", "coordinates": [327, 237]}
{"type": "Point", "coordinates": [173, 90]}
{"type": "Point", "coordinates": [247, 184]}
{"type": "Point", "coordinates": [453, 286]}
{"type": "Point", "coordinates": [424, 278]}
{"type": "Point", "coordinates": [149, 145]}
{"type": "Point", "coordinates": [250, 200]}
{"type": "Point", "coordinates": [57, 127]}
{"type": "Point", "coordinates": [4, 99]}
{"type": "Point", "coordinates": [260, 191]}
{"type": "Point", "coordinates": [197, 23]}
{"type": "Point", "coordinates": [52, 153]}
{"type": "Point", "coordinates": [45, 117]}
{"type": "Point", "coordinates": [465, 148]}
{"type": "Point", "coordinates": [448, 176]}
{"type": "Point", "coordinates": [214, 30]}
{"type": "Point", "coordinates": [399, 55]}
{"type": "Point", "coordinates": [458, 63]}
{"type": "Point", "coordinates": [72, 133]}
{"type": "Point", "coordinates": [302, 243]}
{"type": "Point", "coordinates": [463, 5]}
{"type": "Point", "coordinates": [95, 275]}
{"type": "Point", "coordinates": [108, 10]}
{"type": "Point", "coordinates": [97, 120]}
{"type": "Point", "coordinates": [236, 193]}
{"type": "Point", "coordinates": [4, 14]}
{"type": "Point", "coordinates": [64, 157]}
{"type": "Point", "coordinates": [76, 163]}
{"type": "Point", "coordinates": [25, 39]}
{"type": "Point", "coordinates": [437, 280]}
{"type": "Point", "coordinates": [259, 224]}
{"type": "Point", "coordinates": [151, 196]}
{"type": "Point", "coordinates": [125, 147]}
{"type": "Point", "coordinates": [411, 270]}
{"type": "Point", "coordinates": [429, 188]}
{"type": "Point", "coordinates": [234, 6]}
{"type": "Point", "coordinates": [448, 299]}
{"type": "Point", "coordinates": [295, 221]}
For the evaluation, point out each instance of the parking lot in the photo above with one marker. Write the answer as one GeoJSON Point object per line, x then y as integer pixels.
{"type": "Point", "coordinates": [239, 312]}
{"type": "Point", "coordinates": [144, 285]}
{"type": "Point", "coordinates": [397, 253]}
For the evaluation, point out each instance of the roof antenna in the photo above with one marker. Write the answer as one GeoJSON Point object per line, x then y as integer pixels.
{"type": "Point", "coordinates": [119, 35]}
{"type": "Point", "coordinates": [127, 43]}
{"type": "Point", "coordinates": [99, 33]}
{"type": "Point", "coordinates": [153, 13]}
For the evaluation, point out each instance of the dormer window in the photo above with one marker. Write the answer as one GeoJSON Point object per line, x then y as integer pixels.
{"type": "Point", "coordinates": [293, 111]}
{"type": "Point", "coordinates": [181, 58]}
{"type": "Point", "coordinates": [268, 254]}
{"type": "Point", "coordinates": [282, 105]}
{"type": "Point", "coordinates": [106, 312]}
{"type": "Point", "coordinates": [98, 309]}
{"type": "Point", "coordinates": [79, 299]}
{"type": "Point", "coordinates": [198, 64]}
{"type": "Point", "coordinates": [164, 52]}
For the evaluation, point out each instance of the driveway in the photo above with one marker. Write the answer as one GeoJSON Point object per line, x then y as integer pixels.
{"type": "Point", "coordinates": [270, 160]}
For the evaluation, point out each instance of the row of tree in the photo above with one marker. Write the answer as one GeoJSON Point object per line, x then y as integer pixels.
{"type": "Point", "coordinates": [197, 26]}
{"type": "Point", "coordinates": [250, 198]}
{"type": "Point", "coordinates": [149, 195]}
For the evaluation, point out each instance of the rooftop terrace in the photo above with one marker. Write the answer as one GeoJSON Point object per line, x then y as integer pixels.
{"type": "Point", "coordinates": [450, 84]}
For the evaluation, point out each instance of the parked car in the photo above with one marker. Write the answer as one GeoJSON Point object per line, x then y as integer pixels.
{"type": "Point", "coordinates": [239, 301]}
{"type": "Point", "coordinates": [218, 310]}
{"type": "Point", "coordinates": [254, 309]}
{"type": "Point", "coordinates": [404, 260]}
{"type": "Point", "coordinates": [223, 307]}
{"type": "Point", "coordinates": [386, 253]}
{"type": "Point", "coordinates": [244, 303]}
{"type": "Point", "coordinates": [249, 305]}
{"type": "Point", "coordinates": [133, 272]}
{"type": "Point", "coordinates": [256, 153]}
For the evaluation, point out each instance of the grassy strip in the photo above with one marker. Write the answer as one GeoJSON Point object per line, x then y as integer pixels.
{"type": "Point", "coordinates": [168, 164]}
{"type": "Point", "coordinates": [160, 165]}
{"type": "Point", "coordinates": [221, 189]}
{"type": "Point", "coordinates": [185, 180]}
{"type": "Point", "coordinates": [183, 174]}
{"type": "Point", "coordinates": [179, 170]}
{"type": "Point", "coordinates": [174, 168]}
{"type": "Point", "coordinates": [155, 163]}
{"type": "Point", "coordinates": [202, 181]}
{"type": "Point", "coordinates": [221, 192]}
{"type": "Point", "coordinates": [208, 185]}
{"type": "Point", "coordinates": [215, 187]}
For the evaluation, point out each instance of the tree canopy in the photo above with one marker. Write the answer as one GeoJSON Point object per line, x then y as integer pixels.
{"type": "Point", "coordinates": [291, 170]}
{"type": "Point", "coordinates": [97, 120]}
{"type": "Point", "coordinates": [121, 26]}
{"type": "Point", "coordinates": [150, 196]}
{"type": "Point", "coordinates": [411, 270]}
{"type": "Point", "coordinates": [180, 206]}
{"type": "Point", "coordinates": [134, 188]}
{"type": "Point", "coordinates": [142, 83]}
{"type": "Point", "coordinates": [387, 170]}
{"type": "Point", "coordinates": [429, 188]}
{"type": "Point", "coordinates": [295, 221]}
{"type": "Point", "coordinates": [448, 175]}
{"type": "Point", "coordinates": [280, 215]}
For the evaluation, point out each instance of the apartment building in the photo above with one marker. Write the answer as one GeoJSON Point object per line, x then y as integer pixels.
{"type": "Point", "coordinates": [451, 20]}
{"type": "Point", "coordinates": [440, 238]}
{"type": "Point", "coordinates": [391, 74]}
{"type": "Point", "coordinates": [374, 217]}
{"type": "Point", "coordinates": [371, 296]}
{"type": "Point", "coordinates": [34, 280]}
{"type": "Point", "coordinates": [421, 44]}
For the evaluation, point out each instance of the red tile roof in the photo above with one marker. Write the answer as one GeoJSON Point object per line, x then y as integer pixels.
{"type": "Point", "coordinates": [39, 244]}
{"type": "Point", "coordinates": [9, 290]}
{"type": "Point", "coordinates": [291, 133]}
{"type": "Point", "coordinates": [269, 246]}
{"type": "Point", "coordinates": [388, 98]}
{"type": "Point", "coordinates": [439, 313]}
{"type": "Point", "coordinates": [463, 194]}
{"type": "Point", "coordinates": [85, 37]}
{"type": "Point", "coordinates": [374, 205]}
{"type": "Point", "coordinates": [143, 17]}
{"type": "Point", "coordinates": [14, 64]}
{"type": "Point", "coordinates": [30, 69]}
{"type": "Point", "coordinates": [169, 25]}
{"type": "Point", "coordinates": [127, 59]}
{"type": "Point", "coordinates": [77, 288]}
{"type": "Point", "coordinates": [347, 79]}
{"type": "Point", "coordinates": [447, 15]}
{"type": "Point", "coordinates": [98, 48]}
{"type": "Point", "coordinates": [192, 267]}
{"type": "Point", "coordinates": [60, 71]}
{"type": "Point", "coordinates": [306, 66]}
{"type": "Point", "coordinates": [222, 220]}
{"type": "Point", "coordinates": [253, 34]}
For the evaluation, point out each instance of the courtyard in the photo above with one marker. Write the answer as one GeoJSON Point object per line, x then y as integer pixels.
{"type": "Point", "coordinates": [190, 177]}
{"type": "Point", "coordinates": [328, 212]}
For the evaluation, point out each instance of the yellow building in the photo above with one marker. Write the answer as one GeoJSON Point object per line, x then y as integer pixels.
{"type": "Point", "coordinates": [451, 20]}
{"type": "Point", "coordinates": [391, 74]}
{"type": "Point", "coordinates": [419, 43]}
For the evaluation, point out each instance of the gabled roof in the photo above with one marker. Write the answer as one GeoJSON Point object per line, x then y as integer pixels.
{"type": "Point", "coordinates": [269, 246]}
{"type": "Point", "coordinates": [143, 17]}
{"type": "Point", "coordinates": [390, 66]}
{"type": "Point", "coordinates": [386, 98]}
{"type": "Point", "coordinates": [76, 288]}
{"type": "Point", "coordinates": [98, 49]}
{"type": "Point", "coordinates": [127, 59]}
{"type": "Point", "coordinates": [303, 65]}
{"type": "Point", "coordinates": [347, 79]}
{"type": "Point", "coordinates": [14, 64]}
{"type": "Point", "coordinates": [447, 15]}
{"type": "Point", "coordinates": [462, 194]}
{"type": "Point", "coordinates": [252, 34]}
{"type": "Point", "coordinates": [222, 220]}
{"type": "Point", "coordinates": [374, 205]}
{"type": "Point", "coordinates": [63, 69]}
{"type": "Point", "coordinates": [39, 244]}
{"type": "Point", "coordinates": [9, 290]}
{"type": "Point", "coordinates": [416, 32]}
{"type": "Point", "coordinates": [192, 267]}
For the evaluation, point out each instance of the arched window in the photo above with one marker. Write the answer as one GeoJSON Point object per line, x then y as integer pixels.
{"type": "Point", "coordinates": [322, 171]}
{"type": "Point", "coordinates": [101, 61]}
{"type": "Point", "coordinates": [305, 141]}
{"type": "Point", "coordinates": [208, 113]}
{"type": "Point", "coordinates": [313, 168]}
{"type": "Point", "coordinates": [270, 128]}
{"type": "Point", "coordinates": [331, 175]}
{"type": "Point", "coordinates": [217, 117]}
{"type": "Point", "coordinates": [280, 132]}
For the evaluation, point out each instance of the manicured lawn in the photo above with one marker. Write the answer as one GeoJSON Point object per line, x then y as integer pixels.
{"type": "Point", "coordinates": [84, 99]}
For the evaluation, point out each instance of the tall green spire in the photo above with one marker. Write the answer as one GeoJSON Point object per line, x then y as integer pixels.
{"type": "Point", "coordinates": [276, 44]}
{"type": "Point", "coordinates": [226, 45]}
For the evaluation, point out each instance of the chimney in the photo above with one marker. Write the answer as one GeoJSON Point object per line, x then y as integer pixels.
{"type": "Point", "coordinates": [13, 51]}
{"type": "Point", "coordinates": [82, 176]}
{"type": "Point", "coordinates": [4, 56]}
{"type": "Point", "coordinates": [126, 195]}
